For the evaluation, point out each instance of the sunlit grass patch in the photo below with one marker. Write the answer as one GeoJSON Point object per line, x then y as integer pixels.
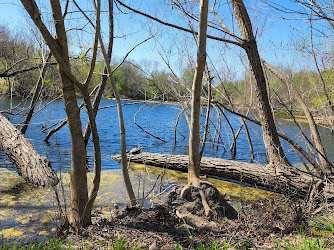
{"type": "Point", "coordinates": [120, 243]}
{"type": "Point", "coordinates": [214, 245]}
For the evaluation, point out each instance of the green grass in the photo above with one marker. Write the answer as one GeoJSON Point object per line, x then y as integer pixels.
{"type": "Point", "coordinates": [215, 245]}
{"type": "Point", "coordinates": [52, 243]}
{"type": "Point", "coordinates": [119, 243]}
{"type": "Point", "coordinates": [304, 244]}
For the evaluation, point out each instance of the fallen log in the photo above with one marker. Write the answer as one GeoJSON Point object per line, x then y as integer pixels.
{"type": "Point", "coordinates": [283, 179]}
{"type": "Point", "coordinates": [34, 168]}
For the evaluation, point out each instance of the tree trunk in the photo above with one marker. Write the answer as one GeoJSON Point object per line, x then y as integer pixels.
{"type": "Point", "coordinates": [289, 181]}
{"type": "Point", "coordinates": [79, 188]}
{"type": "Point", "coordinates": [78, 178]}
{"type": "Point", "coordinates": [59, 48]}
{"type": "Point", "coordinates": [270, 136]}
{"type": "Point", "coordinates": [34, 168]}
{"type": "Point", "coordinates": [124, 162]}
{"type": "Point", "coordinates": [194, 137]}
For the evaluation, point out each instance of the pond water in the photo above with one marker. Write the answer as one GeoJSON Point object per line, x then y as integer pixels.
{"type": "Point", "coordinates": [27, 213]}
{"type": "Point", "coordinates": [158, 119]}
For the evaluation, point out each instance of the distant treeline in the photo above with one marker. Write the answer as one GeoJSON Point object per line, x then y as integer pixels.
{"type": "Point", "coordinates": [136, 81]}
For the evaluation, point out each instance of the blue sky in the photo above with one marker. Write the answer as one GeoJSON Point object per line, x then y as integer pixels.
{"type": "Point", "coordinates": [10, 13]}
{"type": "Point", "coordinates": [128, 30]}
{"type": "Point", "coordinates": [275, 42]}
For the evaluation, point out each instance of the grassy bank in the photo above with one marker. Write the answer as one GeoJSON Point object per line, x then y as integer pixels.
{"type": "Point", "coordinates": [293, 241]}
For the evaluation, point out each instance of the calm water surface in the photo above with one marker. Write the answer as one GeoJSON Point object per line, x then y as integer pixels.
{"type": "Point", "coordinates": [158, 120]}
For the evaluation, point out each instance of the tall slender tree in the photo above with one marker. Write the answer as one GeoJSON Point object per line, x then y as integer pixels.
{"type": "Point", "coordinates": [124, 162]}
{"type": "Point", "coordinates": [194, 136]}
{"type": "Point", "coordinates": [81, 201]}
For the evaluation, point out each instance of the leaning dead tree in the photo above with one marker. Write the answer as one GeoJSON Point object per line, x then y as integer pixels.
{"type": "Point", "coordinates": [34, 168]}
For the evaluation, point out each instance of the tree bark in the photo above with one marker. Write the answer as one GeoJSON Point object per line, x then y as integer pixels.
{"type": "Point", "coordinates": [59, 48]}
{"type": "Point", "coordinates": [79, 188]}
{"type": "Point", "coordinates": [288, 181]}
{"type": "Point", "coordinates": [270, 136]}
{"type": "Point", "coordinates": [194, 137]}
{"type": "Point", "coordinates": [34, 168]}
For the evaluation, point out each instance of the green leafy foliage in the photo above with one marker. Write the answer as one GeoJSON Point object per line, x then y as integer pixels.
{"type": "Point", "coordinates": [121, 243]}
{"type": "Point", "coordinates": [282, 113]}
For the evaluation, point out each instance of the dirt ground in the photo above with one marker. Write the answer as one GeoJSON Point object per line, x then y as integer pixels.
{"type": "Point", "coordinates": [261, 224]}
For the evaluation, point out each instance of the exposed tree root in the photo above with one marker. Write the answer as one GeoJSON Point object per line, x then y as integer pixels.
{"type": "Point", "coordinates": [205, 204]}
{"type": "Point", "coordinates": [200, 205]}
